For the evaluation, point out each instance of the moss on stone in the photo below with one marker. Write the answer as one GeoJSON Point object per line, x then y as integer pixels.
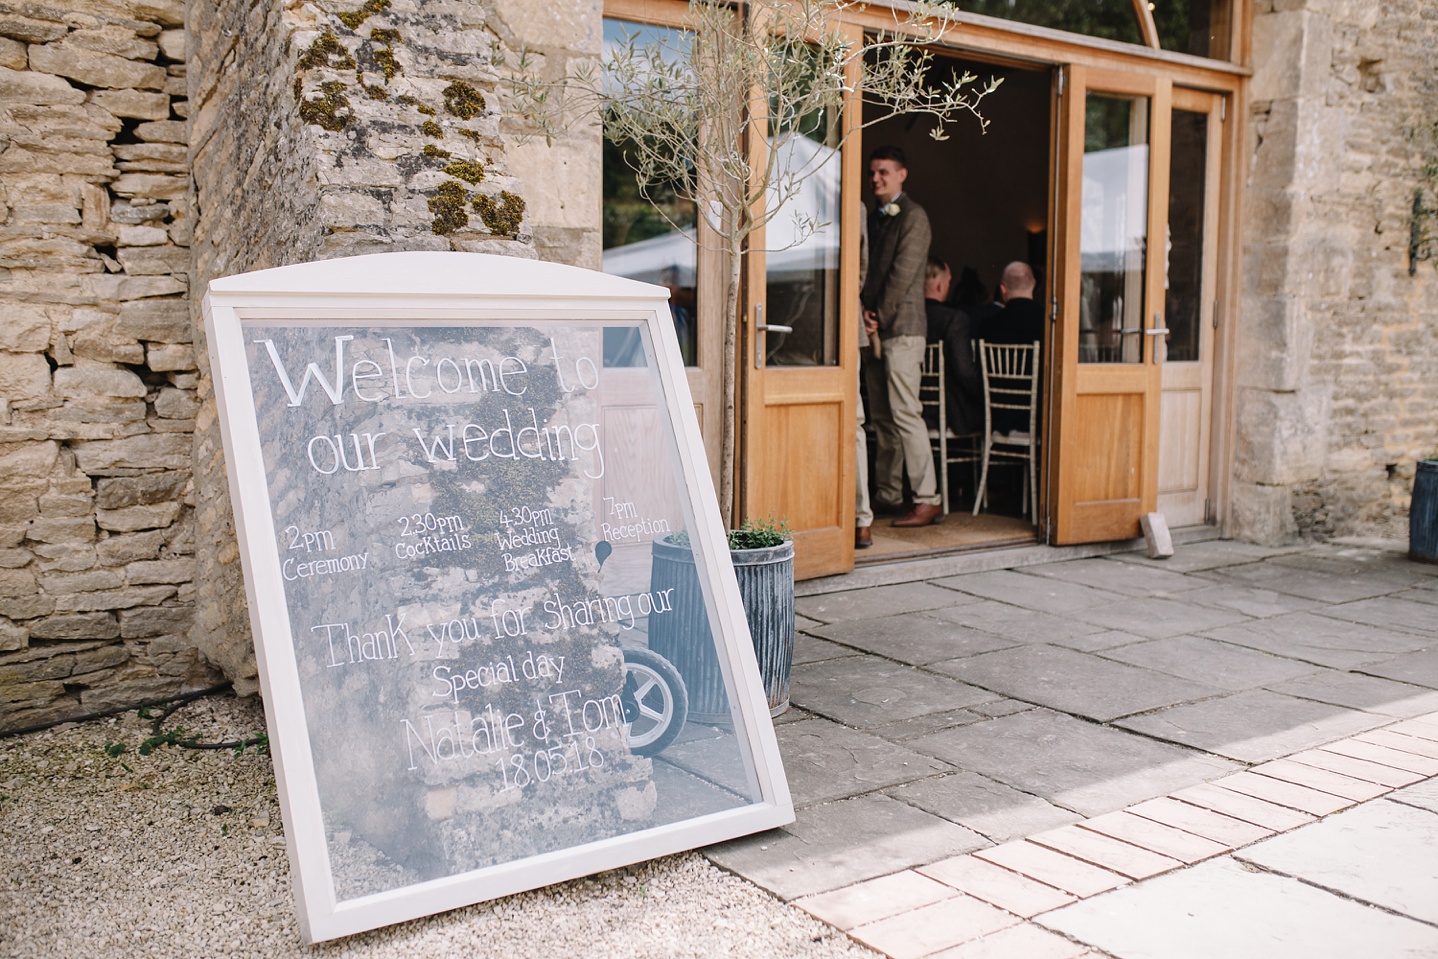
{"type": "Point", "coordinates": [324, 110]}
{"type": "Point", "coordinates": [502, 218]}
{"type": "Point", "coordinates": [430, 150]}
{"type": "Point", "coordinates": [431, 129]}
{"type": "Point", "coordinates": [463, 100]}
{"type": "Point", "coordinates": [354, 18]}
{"type": "Point", "coordinates": [447, 205]}
{"type": "Point", "coordinates": [469, 134]}
{"type": "Point", "coordinates": [426, 109]}
{"type": "Point", "coordinates": [375, 93]}
{"type": "Point", "coordinates": [385, 57]}
{"type": "Point", "coordinates": [470, 171]}
{"type": "Point", "coordinates": [387, 37]}
{"type": "Point", "coordinates": [327, 51]}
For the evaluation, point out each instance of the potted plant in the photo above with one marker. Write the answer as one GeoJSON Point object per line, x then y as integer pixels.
{"type": "Point", "coordinates": [763, 555]}
{"type": "Point", "coordinates": [1423, 512]}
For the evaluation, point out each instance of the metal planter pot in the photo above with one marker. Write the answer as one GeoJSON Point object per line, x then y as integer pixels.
{"type": "Point", "coordinates": [766, 585]}
{"type": "Point", "coordinates": [1423, 514]}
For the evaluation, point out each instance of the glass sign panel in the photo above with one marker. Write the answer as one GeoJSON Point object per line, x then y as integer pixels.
{"type": "Point", "coordinates": [458, 537]}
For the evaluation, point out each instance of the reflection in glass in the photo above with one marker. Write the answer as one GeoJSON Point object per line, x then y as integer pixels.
{"type": "Point", "coordinates": [468, 549]}
{"type": "Point", "coordinates": [1113, 229]}
{"type": "Point", "coordinates": [1199, 27]}
{"type": "Point", "coordinates": [1184, 307]}
{"type": "Point", "coordinates": [802, 239]}
{"type": "Point", "coordinates": [1108, 19]}
{"type": "Point", "coordinates": [648, 231]}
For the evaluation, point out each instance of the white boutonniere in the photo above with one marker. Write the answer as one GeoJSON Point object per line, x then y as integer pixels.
{"type": "Point", "coordinates": [889, 209]}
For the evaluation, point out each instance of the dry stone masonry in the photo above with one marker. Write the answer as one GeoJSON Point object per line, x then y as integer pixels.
{"type": "Point", "coordinates": [97, 367]}
{"type": "Point", "coordinates": [1338, 378]}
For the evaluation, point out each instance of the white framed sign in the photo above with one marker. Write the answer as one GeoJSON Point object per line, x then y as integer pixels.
{"type": "Point", "coordinates": [447, 471]}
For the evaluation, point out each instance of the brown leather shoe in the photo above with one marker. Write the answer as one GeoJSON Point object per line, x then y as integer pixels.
{"type": "Point", "coordinates": [862, 538]}
{"type": "Point", "coordinates": [921, 515]}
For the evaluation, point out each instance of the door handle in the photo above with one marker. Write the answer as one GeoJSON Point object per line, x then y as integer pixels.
{"type": "Point", "coordinates": [761, 328]}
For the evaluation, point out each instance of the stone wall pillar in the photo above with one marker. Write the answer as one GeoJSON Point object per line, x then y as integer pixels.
{"type": "Point", "coordinates": [97, 371]}
{"type": "Point", "coordinates": [361, 127]}
{"type": "Point", "coordinates": [1337, 381]}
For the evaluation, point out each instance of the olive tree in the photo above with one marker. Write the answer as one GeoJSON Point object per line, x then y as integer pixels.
{"type": "Point", "coordinates": [698, 119]}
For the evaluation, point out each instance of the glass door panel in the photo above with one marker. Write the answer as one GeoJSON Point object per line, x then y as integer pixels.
{"type": "Point", "coordinates": [801, 276]}
{"type": "Point", "coordinates": [1113, 230]}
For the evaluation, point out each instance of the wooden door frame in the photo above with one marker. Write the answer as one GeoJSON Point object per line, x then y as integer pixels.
{"type": "Point", "coordinates": [826, 550]}
{"type": "Point", "coordinates": [1092, 379]}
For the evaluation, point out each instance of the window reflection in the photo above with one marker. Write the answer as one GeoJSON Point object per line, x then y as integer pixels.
{"type": "Point", "coordinates": [648, 233]}
{"type": "Point", "coordinates": [1199, 27]}
{"type": "Point", "coordinates": [802, 239]}
{"type": "Point", "coordinates": [1113, 229]}
{"type": "Point", "coordinates": [1108, 19]}
{"type": "Point", "coordinates": [1184, 307]}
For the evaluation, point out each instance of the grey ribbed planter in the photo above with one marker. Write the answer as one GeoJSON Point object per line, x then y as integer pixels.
{"type": "Point", "coordinates": [766, 585]}
{"type": "Point", "coordinates": [1423, 514]}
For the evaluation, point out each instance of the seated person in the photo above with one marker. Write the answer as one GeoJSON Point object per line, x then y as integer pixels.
{"type": "Point", "coordinates": [963, 386]}
{"type": "Point", "coordinates": [1021, 321]}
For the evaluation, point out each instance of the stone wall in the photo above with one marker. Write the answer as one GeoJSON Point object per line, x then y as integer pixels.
{"type": "Point", "coordinates": [336, 129]}
{"type": "Point", "coordinates": [97, 371]}
{"type": "Point", "coordinates": [1338, 381]}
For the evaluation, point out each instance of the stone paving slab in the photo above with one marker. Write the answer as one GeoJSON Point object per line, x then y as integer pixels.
{"type": "Point", "coordinates": [1326, 780]}
{"type": "Point", "coordinates": [1200, 821]}
{"type": "Point", "coordinates": [1052, 868]}
{"type": "Point", "coordinates": [1017, 942]}
{"type": "Point", "coordinates": [1312, 584]}
{"type": "Point", "coordinates": [1211, 662]}
{"type": "Point", "coordinates": [1388, 612]}
{"type": "Point", "coordinates": [1254, 725]}
{"type": "Point", "coordinates": [875, 899]}
{"type": "Point", "coordinates": [1042, 593]}
{"type": "Point", "coordinates": [1196, 557]}
{"type": "Point", "coordinates": [1170, 841]}
{"type": "Point", "coordinates": [1084, 767]}
{"type": "Point", "coordinates": [1378, 753]}
{"type": "Point", "coordinates": [931, 928]}
{"type": "Point", "coordinates": [1112, 854]}
{"type": "Point", "coordinates": [811, 649]}
{"type": "Point", "coordinates": [866, 691]}
{"type": "Point", "coordinates": [1221, 909]}
{"type": "Point", "coordinates": [1156, 617]}
{"type": "Point", "coordinates": [1356, 768]}
{"type": "Point", "coordinates": [1319, 639]}
{"type": "Point", "coordinates": [1358, 691]}
{"type": "Point", "coordinates": [1382, 852]}
{"type": "Point", "coordinates": [1016, 623]}
{"type": "Point", "coordinates": [914, 638]}
{"type": "Point", "coordinates": [1279, 792]}
{"type": "Point", "coordinates": [841, 843]}
{"type": "Point", "coordinates": [1260, 812]}
{"type": "Point", "coordinates": [1424, 795]}
{"type": "Point", "coordinates": [877, 602]}
{"type": "Point", "coordinates": [1419, 667]}
{"type": "Point", "coordinates": [994, 884]}
{"type": "Point", "coordinates": [825, 761]}
{"type": "Point", "coordinates": [1131, 579]}
{"type": "Point", "coordinates": [1251, 601]}
{"type": "Point", "coordinates": [1073, 682]}
{"type": "Point", "coordinates": [988, 807]}
{"type": "Point", "coordinates": [907, 729]}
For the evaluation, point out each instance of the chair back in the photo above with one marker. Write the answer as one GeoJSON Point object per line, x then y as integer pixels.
{"type": "Point", "coordinates": [1011, 377]}
{"type": "Point", "coordinates": [932, 386]}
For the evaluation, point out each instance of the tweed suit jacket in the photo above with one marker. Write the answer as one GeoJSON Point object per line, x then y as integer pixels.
{"type": "Point", "coordinates": [894, 286]}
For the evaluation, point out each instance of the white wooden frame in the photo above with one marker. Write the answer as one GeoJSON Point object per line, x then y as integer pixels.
{"type": "Point", "coordinates": [412, 288]}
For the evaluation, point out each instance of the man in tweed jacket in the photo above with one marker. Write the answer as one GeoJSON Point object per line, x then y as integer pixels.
{"type": "Point", "coordinates": [893, 299]}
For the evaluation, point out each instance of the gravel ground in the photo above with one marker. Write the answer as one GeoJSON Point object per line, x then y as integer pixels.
{"type": "Point", "coordinates": [181, 853]}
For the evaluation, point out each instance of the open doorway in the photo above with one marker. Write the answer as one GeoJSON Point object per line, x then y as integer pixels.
{"type": "Point", "coordinates": [987, 195]}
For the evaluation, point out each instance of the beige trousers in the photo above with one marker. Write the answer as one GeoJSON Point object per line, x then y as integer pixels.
{"type": "Point", "coordinates": [901, 436]}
